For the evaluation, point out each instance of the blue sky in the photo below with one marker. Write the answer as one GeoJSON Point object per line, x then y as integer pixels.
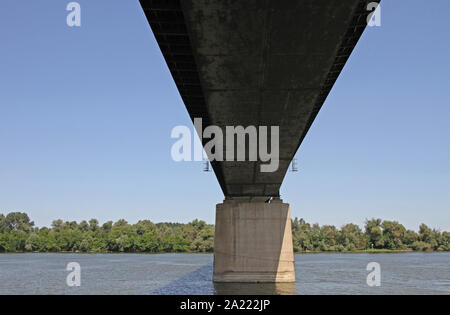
{"type": "Point", "coordinates": [86, 115]}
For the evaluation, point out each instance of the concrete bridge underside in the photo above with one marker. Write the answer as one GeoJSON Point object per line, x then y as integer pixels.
{"type": "Point", "coordinates": [255, 63]}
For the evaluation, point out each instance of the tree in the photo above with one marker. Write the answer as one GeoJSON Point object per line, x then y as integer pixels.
{"type": "Point", "coordinates": [147, 242]}
{"type": "Point", "coordinates": [83, 226]}
{"type": "Point", "coordinates": [420, 246]}
{"type": "Point", "coordinates": [352, 234]}
{"type": "Point", "coordinates": [57, 225]}
{"type": "Point", "coordinates": [144, 226]}
{"type": "Point", "coordinates": [106, 227]}
{"type": "Point", "coordinates": [203, 243]}
{"type": "Point", "coordinates": [18, 221]}
{"type": "Point", "coordinates": [302, 235]}
{"type": "Point", "coordinates": [410, 237]}
{"type": "Point", "coordinates": [93, 225]}
{"type": "Point", "coordinates": [2, 223]}
{"type": "Point", "coordinates": [374, 233]}
{"type": "Point", "coordinates": [393, 234]}
{"type": "Point", "coordinates": [425, 233]}
{"type": "Point", "coordinates": [33, 243]}
{"type": "Point", "coordinates": [124, 243]}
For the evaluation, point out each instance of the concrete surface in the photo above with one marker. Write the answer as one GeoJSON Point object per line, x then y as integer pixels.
{"type": "Point", "coordinates": [253, 242]}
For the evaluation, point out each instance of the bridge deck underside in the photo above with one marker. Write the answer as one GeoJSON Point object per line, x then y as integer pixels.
{"type": "Point", "coordinates": [256, 63]}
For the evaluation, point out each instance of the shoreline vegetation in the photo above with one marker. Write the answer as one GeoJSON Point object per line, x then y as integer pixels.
{"type": "Point", "coordinates": [384, 251]}
{"type": "Point", "coordinates": [19, 235]}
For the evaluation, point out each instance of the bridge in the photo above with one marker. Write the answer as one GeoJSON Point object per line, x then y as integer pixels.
{"type": "Point", "coordinates": [255, 63]}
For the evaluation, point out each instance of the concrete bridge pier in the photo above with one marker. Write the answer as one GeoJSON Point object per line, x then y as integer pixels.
{"type": "Point", "coordinates": [253, 242]}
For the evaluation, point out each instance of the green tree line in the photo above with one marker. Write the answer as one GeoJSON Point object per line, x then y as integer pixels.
{"type": "Point", "coordinates": [377, 235]}
{"type": "Point", "coordinates": [19, 234]}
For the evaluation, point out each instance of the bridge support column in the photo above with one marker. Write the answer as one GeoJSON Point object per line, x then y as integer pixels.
{"type": "Point", "coordinates": [253, 242]}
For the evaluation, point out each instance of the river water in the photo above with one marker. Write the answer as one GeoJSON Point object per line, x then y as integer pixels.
{"type": "Point", "coordinates": [191, 274]}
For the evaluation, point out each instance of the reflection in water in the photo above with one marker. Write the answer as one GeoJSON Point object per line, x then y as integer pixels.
{"type": "Point", "coordinates": [197, 282]}
{"type": "Point", "coordinates": [200, 282]}
{"type": "Point", "coordinates": [254, 288]}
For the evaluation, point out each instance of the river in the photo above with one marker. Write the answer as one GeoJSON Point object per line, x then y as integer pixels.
{"type": "Point", "coordinates": [191, 274]}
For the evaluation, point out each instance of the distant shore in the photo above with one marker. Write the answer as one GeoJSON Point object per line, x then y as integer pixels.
{"type": "Point", "coordinates": [19, 234]}
{"type": "Point", "coordinates": [374, 251]}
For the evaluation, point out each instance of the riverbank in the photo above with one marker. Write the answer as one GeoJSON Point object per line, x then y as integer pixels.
{"type": "Point", "coordinates": [371, 251]}
{"type": "Point", "coordinates": [18, 234]}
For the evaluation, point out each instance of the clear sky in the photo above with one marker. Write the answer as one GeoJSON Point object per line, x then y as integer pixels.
{"type": "Point", "coordinates": [86, 115]}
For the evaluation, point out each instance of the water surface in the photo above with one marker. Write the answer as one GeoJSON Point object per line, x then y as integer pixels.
{"type": "Point", "coordinates": [409, 273]}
